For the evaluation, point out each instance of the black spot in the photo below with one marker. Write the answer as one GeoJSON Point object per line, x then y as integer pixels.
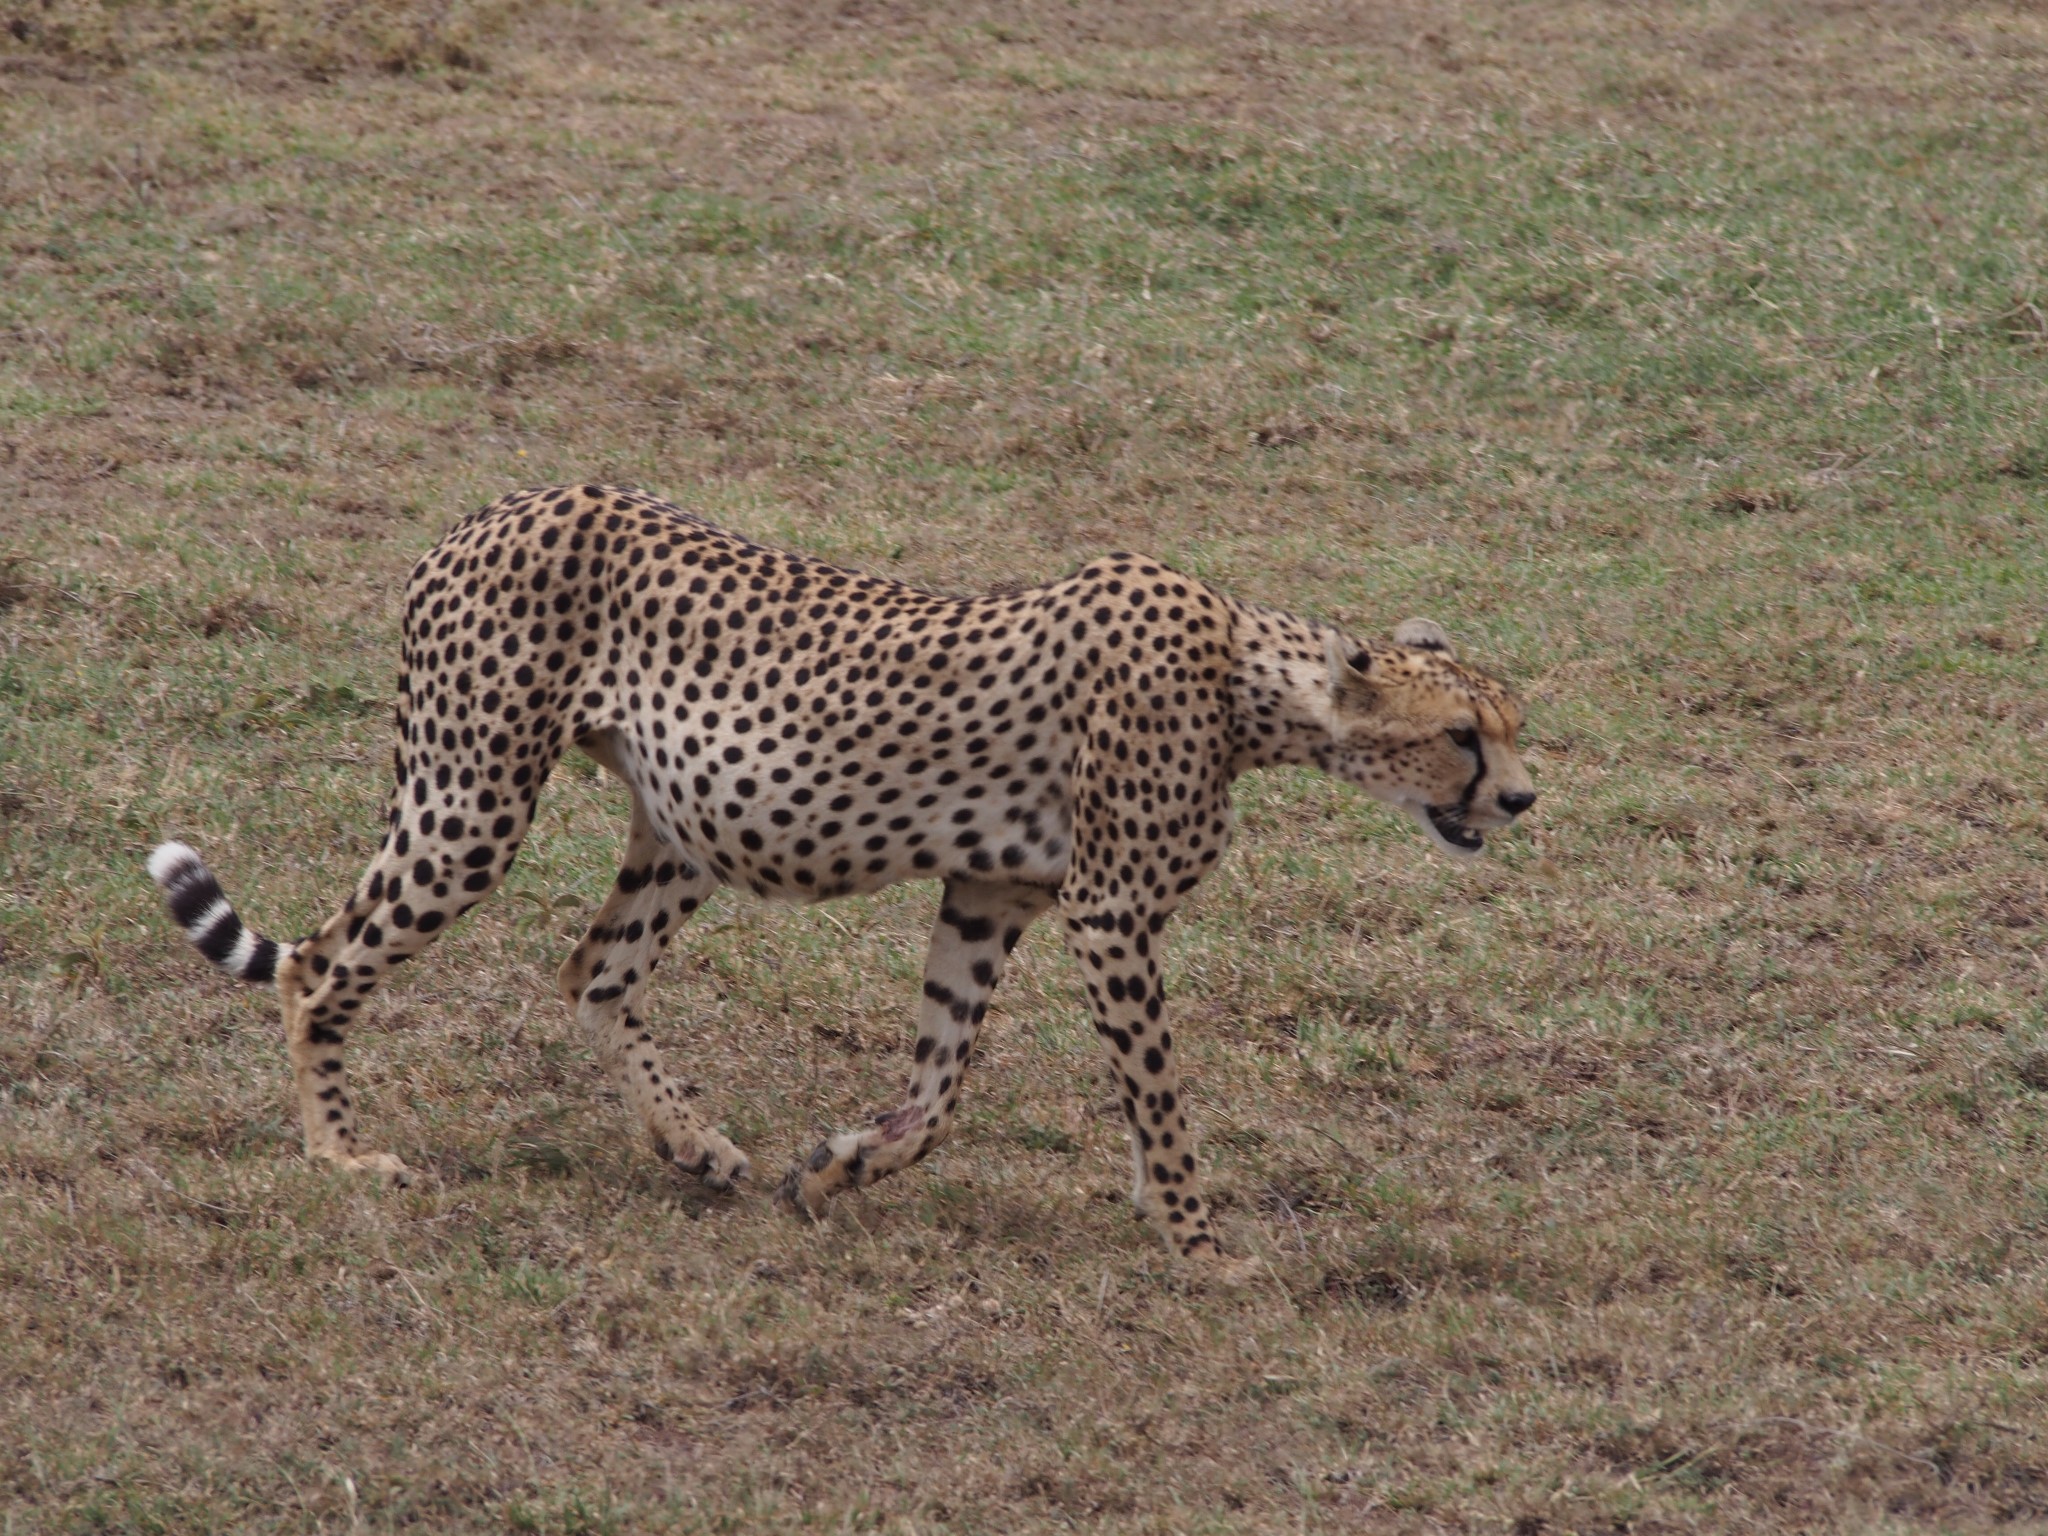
{"type": "Point", "coordinates": [974, 930]}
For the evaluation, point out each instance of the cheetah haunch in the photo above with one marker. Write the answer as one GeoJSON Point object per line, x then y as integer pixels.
{"type": "Point", "coordinates": [808, 732]}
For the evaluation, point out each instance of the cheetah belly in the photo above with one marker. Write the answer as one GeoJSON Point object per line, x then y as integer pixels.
{"type": "Point", "coordinates": [811, 842]}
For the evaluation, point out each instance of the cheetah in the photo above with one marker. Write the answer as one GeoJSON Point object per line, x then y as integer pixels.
{"type": "Point", "coordinates": [808, 732]}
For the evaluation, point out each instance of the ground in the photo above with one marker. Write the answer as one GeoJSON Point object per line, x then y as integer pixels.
{"type": "Point", "coordinates": [1677, 1167]}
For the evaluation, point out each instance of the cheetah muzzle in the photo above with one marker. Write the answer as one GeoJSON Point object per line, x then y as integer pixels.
{"type": "Point", "coordinates": [807, 732]}
{"type": "Point", "coordinates": [1448, 822]}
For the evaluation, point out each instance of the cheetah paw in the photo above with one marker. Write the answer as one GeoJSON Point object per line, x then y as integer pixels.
{"type": "Point", "coordinates": [1206, 1264]}
{"type": "Point", "coordinates": [381, 1165]}
{"type": "Point", "coordinates": [716, 1163]}
{"type": "Point", "coordinates": [1231, 1274]}
{"type": "Point", "coordinates": [722, 1173]}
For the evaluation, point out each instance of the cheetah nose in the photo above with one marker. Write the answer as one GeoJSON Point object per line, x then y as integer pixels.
{"type": "Point", "coordinates": [1518, 801]}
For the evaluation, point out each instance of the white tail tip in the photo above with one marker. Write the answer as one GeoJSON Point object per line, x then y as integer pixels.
{"type": "Point", "coordinates": [168, 859]}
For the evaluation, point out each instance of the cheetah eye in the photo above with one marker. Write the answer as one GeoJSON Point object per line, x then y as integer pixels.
{"type": "Point", "coordinates": [1465, 737]}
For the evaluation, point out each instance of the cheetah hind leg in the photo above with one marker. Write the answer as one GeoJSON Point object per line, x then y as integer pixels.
{"type": "Point", "coordinates": [979, 923]}
{"type": "Point", "coordinates": [434, 865]}
{"type": "Point", "coordinates": [605, 981]}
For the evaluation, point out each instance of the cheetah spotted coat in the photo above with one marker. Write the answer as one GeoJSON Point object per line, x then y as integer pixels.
{"type": "Point", "coordinates": [808, 732]}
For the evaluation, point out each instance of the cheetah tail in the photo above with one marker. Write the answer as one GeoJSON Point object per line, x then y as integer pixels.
{"type": "Point", "coordinates": [201, 909]}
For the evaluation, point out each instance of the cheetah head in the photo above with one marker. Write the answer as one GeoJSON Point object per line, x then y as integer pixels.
{"type": "Point", "coordinates": [1413, 728]}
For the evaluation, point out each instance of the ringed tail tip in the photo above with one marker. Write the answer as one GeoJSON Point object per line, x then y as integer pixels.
{"type": "Point", "coordinates": [201, 908]}
{"type": "Point", "coordinates": [168, 859]}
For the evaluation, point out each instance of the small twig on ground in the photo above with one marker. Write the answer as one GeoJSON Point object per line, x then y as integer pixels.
{"type": "Point", "coordinates": [139, 1166]}
{"type": "Point", "coordinates": [1371, 1170]}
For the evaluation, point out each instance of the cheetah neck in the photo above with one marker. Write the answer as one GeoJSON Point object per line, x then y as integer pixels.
{"type": "Point", "coordinates": [1279, 687]}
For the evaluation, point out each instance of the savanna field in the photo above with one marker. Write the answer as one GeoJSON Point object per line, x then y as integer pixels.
{"type": "Point", "coordinates": [1681, 1165]}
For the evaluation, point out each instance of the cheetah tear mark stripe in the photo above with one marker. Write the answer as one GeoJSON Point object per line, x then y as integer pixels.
{"type": "Point", "coordinates": [201, 909]}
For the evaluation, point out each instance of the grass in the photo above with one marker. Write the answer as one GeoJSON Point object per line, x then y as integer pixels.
{"type": "Point", "coordinates": [1677, 1168]}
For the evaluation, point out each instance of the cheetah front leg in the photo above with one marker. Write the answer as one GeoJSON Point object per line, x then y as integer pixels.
{"type": "Point", "coordinates": [977, 927]}
{"type": "Point", "coordinates": [1117, 949]}
{"type": "Point", "coordinates": [605, 981]}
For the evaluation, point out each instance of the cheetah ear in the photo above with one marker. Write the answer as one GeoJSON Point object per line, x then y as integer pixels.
{"type": "Point", "coordinates": [1350, 674]}
{"type": "Point", "coordinates": [1423, 635]}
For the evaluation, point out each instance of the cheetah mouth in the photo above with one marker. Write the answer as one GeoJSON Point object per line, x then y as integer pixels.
{"type": "Point", "coordinates": [1449, 825]}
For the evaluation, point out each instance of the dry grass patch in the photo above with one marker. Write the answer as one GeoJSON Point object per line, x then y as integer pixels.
{"type": "Point", "coordinates": [321, 41]}
{"type": "Point", "coordinates": [1676, 1168]}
